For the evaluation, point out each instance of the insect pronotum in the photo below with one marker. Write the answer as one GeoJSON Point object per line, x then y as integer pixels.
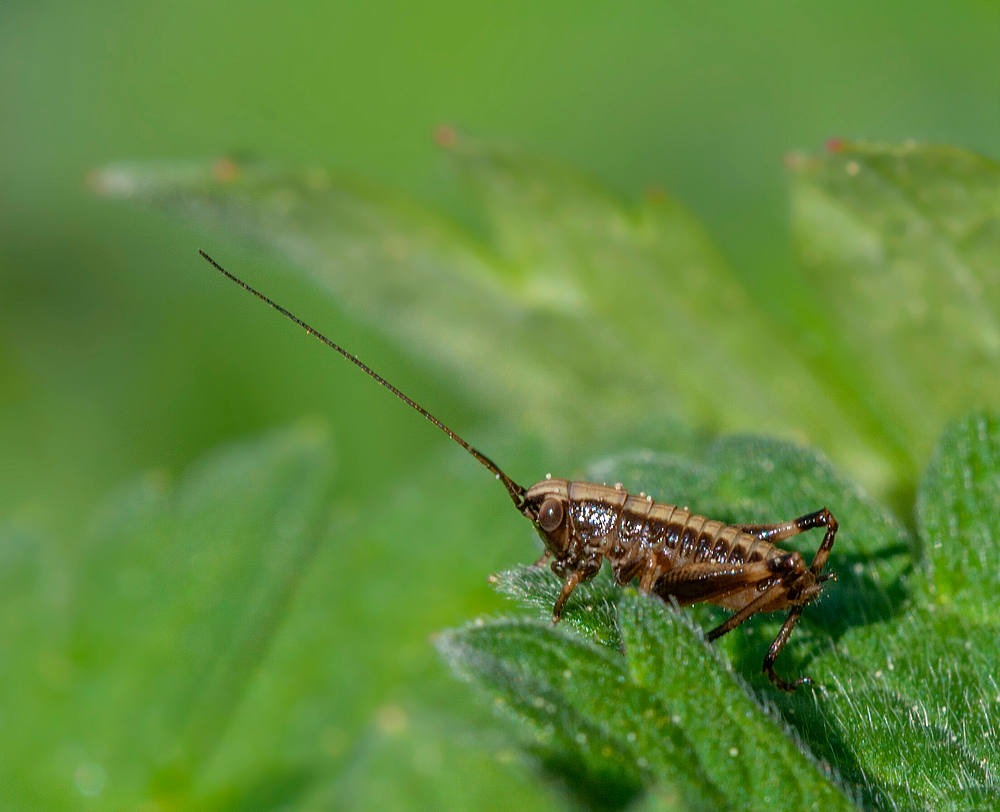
{"type": "Point", "coordinates": [673, 553]}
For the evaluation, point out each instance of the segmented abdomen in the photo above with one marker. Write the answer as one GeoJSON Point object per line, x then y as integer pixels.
{"type": "Point", "coordinates": [638, 535]}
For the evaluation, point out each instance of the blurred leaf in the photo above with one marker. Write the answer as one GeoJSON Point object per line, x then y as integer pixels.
{"type": "Point", "coordinates": [418, 761]}
{"type": "Point", "coordinates": [648, 279]}
{"type": "Point", "coordinates": [178, 595]}
{"type": "Point", "coordinates": [902, 246]}
{"type": "Point", "coordinates": [146, 642]}
{"type": "Point", "coordinates": [214, 645]}
{"type": "Point", "coordinates": [611, 315]}
{"type": "Point", "coordinates": [607, 315]}
{"type": "Point", "coordinates": [959, 514]}
{"type": "Point", "coordinates": [415, 275]}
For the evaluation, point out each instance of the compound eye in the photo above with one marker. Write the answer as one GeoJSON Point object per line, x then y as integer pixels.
{"type": "Point", "coordinates": [550, 515]}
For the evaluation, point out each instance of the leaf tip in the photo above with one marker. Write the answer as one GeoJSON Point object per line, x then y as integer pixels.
{"type": "Point", "coordinates": [110, 181]}
{"type": "Point", "coordinates": [793, 160]}
{"type": "Point", "coordinates": [445, 136]}
{"type": "Point", "coordinates": [225, 170]}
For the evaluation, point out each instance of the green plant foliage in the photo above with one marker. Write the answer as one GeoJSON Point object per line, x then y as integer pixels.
{"type": "Point", "coordinates": [957, 512]}
{"type": "Point", "coordinates": [748, 754]}
{"type": "Point", "coordinates": [408, 271]}
{"type": "Point", "coordinates": [615, 313]}
{"type": "Point", "coordinates": [593, 347]}
{"type": "Point", "coordinates": [664, 714]}
{"type": "Point", "coordinates": [588, 718]}
{"type": "Point", "coordinates": [231, 642]}
{"type": "Point", "coordinates": [224, 643]}
{"type": "Point", "coordinates": [591, 613]}
{"type": "Point", "coordinates": [740, 479]}
{"type": "Point", "coordinates": [162, 615]}
{"type": "Point", "coordinates": [896, 666]}
{"type": "Point", "coordinates": [900, 244]}
{"type": "Point", "coordinates": [928, 677]}
{"type": "Point", "coordinates": [926, 681]}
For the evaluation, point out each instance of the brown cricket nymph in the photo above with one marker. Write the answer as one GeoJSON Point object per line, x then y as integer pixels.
{"type": "Point", "coordinates": [670, 551]}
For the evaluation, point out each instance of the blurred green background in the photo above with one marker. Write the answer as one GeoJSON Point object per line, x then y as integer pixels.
{"type": "Point", "coordinates": [111, 359]}
{"type": "Point", "coordinates": [122, 352]}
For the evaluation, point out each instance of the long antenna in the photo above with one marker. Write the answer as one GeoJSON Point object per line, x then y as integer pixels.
{"type": "Point", "coordinates": [516, 491]}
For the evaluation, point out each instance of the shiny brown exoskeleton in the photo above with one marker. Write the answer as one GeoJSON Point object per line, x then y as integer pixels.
{"type": "Point", "coordinates": [677, 554]}
{"type": "Point", "coordinates": [672, 552]}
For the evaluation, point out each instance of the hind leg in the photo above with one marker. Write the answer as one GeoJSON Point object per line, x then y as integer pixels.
{"type": "Point", "coordinates": [775, 533]}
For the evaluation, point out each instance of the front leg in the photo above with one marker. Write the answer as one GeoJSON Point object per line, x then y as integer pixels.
{"type": "Point", "coordinates": [541, 562]}
{"type": "Point", "coordinates": [573, 578]}
{"type": "Point", "coordinates": [571, 583]}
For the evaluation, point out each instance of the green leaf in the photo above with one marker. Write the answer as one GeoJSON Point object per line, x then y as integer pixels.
{"type": "Point", "coordinates": [749, 753]}
{"type": "Point", "coordinates": [596, 716]}
{"type": "Point", "coordinates": [584, 714]}
{"type": "Point", "coordinates": [649, 279]}
{"type": "Point", "coordinates": [223, 643]}
{"type": "Point", "coordinates": [173, 601]}
{"type": "Point", "coordinates": [591, 612]}
{"type": "Point", "coordinates": [741, 479]}
{"type": "Point", "coordinates": [616, 321]}
{"type": "Point", "coordinates": [608, 315]}
{"type": "Point", "coordinates": [204, 575]}
{"type": "Point", "coordinates": [613, 315]}
{"type": "Point", "coordinates": [901, 244]}
{"type": "Point", "coordinates": [928, 677]}
{"type": "Point", "coordinates": [417, 276]}
{"type": "Point", "coordinates": [958, 509]}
